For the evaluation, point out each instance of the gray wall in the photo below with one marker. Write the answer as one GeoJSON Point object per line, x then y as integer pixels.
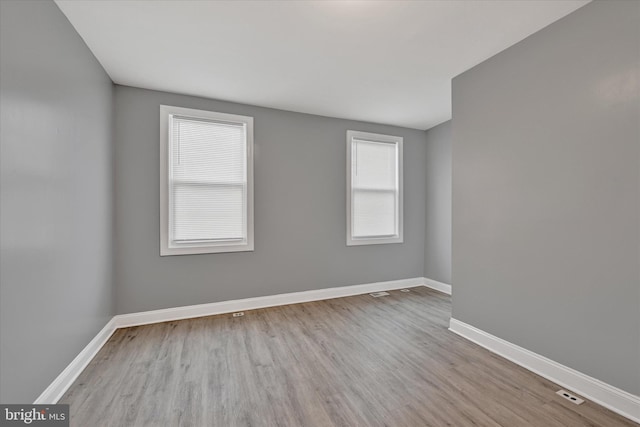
{"type": "Point", "coordinates": [437, 245]}
{"type": "Point", "coordinates": [546, 193]}
{"type": "Point", "coordinates": [300, 224]}
{"type": "Point", "coordinates": [56, 186]}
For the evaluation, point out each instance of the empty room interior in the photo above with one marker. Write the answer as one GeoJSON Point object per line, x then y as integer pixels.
{"type": "Point", "coordinates": [320, 213]}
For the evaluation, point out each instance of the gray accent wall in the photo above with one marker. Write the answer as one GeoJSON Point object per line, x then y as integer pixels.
{"type": "Point", "coordinates": [300, 210]}
{"type": "Point", "coordinates": [437, 245]}
{"type": "Point", "coordinates": [546, 193]}
{"type": "Point", "coordinates": [56, 188]}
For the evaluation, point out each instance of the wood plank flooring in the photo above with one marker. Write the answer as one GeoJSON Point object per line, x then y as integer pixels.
{"type": "Point", "coordinates": [355, 361]}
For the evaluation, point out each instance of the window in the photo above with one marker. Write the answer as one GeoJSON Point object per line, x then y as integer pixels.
{"type": "Point", "coordinates": [374, 188]}
{"type": "Point", "coordinates": [206, 191]}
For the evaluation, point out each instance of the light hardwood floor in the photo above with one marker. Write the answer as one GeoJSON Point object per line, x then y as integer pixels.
{"type": "Point", "coordinates": [355, 361]}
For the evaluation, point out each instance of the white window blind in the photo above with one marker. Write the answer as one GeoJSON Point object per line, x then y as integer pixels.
{"type": "Point", "coordinates": [207, 183]}
{"type": "Point", "coordinates": [375, 189]}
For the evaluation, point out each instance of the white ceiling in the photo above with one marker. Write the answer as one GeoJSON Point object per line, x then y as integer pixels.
{"type": "Point", "coordinates": [378, 61]}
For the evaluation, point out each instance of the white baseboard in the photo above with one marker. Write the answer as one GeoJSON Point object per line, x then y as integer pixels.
{"type": "Point", "coordinates": [200, 310]}
{"type": "Point", "coordinates": [619, 401]}
{"type": "Point", "coordinates": [59, 386]}
{"type": "Point", "coordinates": [438, 286]}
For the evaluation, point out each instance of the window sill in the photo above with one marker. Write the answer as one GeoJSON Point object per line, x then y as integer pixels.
{"type": "Point", "coordinates": [374, 241]}
{"type": "Point", "coordinates": [197, 250]}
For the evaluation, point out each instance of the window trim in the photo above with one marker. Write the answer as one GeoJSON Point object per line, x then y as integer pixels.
{"type": "Point", "coordinates": [165, 250]}
{"type": "Point", "coordinates": [374, 137]}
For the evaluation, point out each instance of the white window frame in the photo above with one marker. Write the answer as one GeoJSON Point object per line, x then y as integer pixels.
{"type": "Point", "coordinates": [166, 248]}
{"type": "Point", "coordinates": [374, 240]}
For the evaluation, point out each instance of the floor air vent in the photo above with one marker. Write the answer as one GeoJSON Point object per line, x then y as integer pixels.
{"type": "Point", "coordinates": [570, 397]}
{"type": "Point", "coordinates": [379, 294]}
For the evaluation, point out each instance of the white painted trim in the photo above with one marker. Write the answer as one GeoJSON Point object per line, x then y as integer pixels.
{"type": "Point", "coordinates": [200, 310]}
{"type": "Point", "coordinates": [619, 401]}
{"type": "Point", "coordinates": [438, 286]}
{"type": "Point", "coordinates": [59, 386]}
